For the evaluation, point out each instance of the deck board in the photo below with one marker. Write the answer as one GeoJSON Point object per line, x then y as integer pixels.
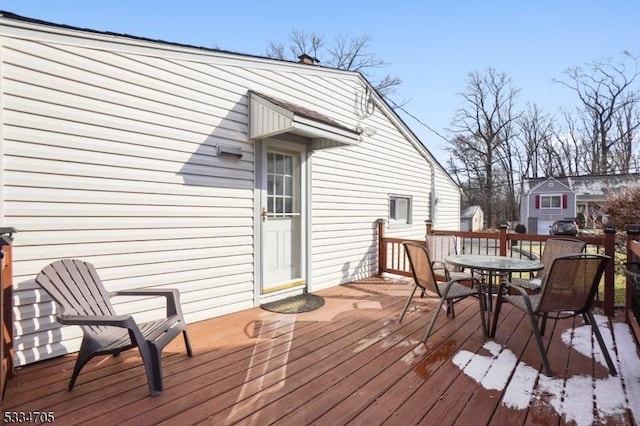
{"type": "Point", "coordinates": [482, 403]}
{"type": "Point", "coordinates": [349, 362]}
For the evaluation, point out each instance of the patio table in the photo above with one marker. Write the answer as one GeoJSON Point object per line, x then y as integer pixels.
{"type": "Point", "coordinates": [491, 266]}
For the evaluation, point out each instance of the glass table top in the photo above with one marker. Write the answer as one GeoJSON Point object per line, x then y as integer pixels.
{"type": "Point", "coordinates": [494, 263]}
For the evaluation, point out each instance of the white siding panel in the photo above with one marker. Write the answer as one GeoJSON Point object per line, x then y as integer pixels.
{"type": "Point", "coordinates": [265, 121]}
{"type": "Point", "coordinates": [45, 337]}
{"type": "Point", "coordinates": [172, 162]}
{"type": "Point", "coordinates": [62, 169]}
{"type": "Point", "coordinates": [188, 236]}
{"type": "Point", "coordinates": [51, 130]}
{"type": "Point", "coordinates": [100, 68]}
{"type": "Point", "coordinates": [97, 224]}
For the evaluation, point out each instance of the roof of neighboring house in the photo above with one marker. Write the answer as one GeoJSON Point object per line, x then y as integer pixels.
{"type": "Point", "coordinates": [592, 185]}
{"type": "Point", "coordinates": [469, 212]}
{"type": "Point", "coordinates": [603, 185]}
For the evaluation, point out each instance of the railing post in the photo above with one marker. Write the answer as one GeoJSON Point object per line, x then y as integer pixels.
{"type": "Point", "coordinates": [6, 308]}
{"type": "Point", "coordinates": [609, 272]}
{"type": "Point", "coordinates": [382, 247]}
{"type": "Point", "coordinates": [429, 226]}
{"type": "Point", "coordinates": [503, 239]}
{"type": "Point", "coordinates": [633, 234]}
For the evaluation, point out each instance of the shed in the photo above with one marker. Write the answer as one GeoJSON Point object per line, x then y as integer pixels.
{"type": "Point", "coordinates": [235, 178]}
{"type": "Point", "coordinates": [472, 219]}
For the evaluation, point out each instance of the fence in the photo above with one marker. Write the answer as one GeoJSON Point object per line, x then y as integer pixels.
{"type": "Point", "coordinates": [632, 295]}
{"type": "Point", "coordinates": [6, 319]}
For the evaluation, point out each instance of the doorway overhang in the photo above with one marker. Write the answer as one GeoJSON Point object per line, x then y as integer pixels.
{"type": "Point", "coordinates": [269, 116]}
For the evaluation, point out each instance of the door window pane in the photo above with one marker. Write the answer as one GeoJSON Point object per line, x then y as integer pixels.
{"type": "Point", "coordinates": [288, 185]}
{"type": "Point", "coordinates": [288, 165]}
{"type": "Point", "coordinates": [270, 162]}
{"type": "Point", "coordinates": [270, 185]}
{"type": "Point", "coordinates": [281, 199]}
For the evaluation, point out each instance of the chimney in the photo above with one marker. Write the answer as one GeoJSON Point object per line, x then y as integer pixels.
{"type": "Point", "coordinates": [308, 60]}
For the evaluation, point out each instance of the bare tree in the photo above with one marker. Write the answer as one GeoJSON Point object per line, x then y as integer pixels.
{"type": "Point", "coordinates": [483, 130]}
{"type": "Point", "coordinates": [300, 42]}
{"type": "Point", "coordinates": [564, 152]}
{"type": "Point", "coordinates": [627, 122]}
{"type": "Point", "coordinates": [468, 173]}
{"type": "Point", "coordinates": [509, 171]}
{"type": "Point", "coordinates": [492, 146]}
{"type": "Point", "coordinates": [605, 90]}
{"type": "Point", "coordinates": [276, 50]}
{"type": "Point", "coordinates": [536, 131]}
{"type": "Point", "coordinates": [346, 53]}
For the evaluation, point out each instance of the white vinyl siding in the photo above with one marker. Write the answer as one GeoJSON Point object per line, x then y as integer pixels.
{"type": "Point", "coordinates": [351, 188]}
{"type": "Point", "coordinates": [119, 167]}
{"type": "Point", "coordinates": [109, 155]}
{"type": "Point", "coordinates": [447, 210]}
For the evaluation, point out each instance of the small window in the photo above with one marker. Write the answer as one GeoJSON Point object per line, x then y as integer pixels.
{"type": "Point", "coordinates": [550, 202]}
{"type": "Point", "coordinates": [399, 209]}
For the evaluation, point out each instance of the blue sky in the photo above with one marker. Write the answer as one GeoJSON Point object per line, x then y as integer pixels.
{"type": "Point", "coordinates": [430, 45]}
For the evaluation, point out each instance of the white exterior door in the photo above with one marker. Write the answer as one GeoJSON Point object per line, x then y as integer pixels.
{"type": "Point", "coordinates": [283, 220]}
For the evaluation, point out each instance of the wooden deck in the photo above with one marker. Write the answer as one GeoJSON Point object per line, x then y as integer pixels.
{"type": "Point", "coordinates": [349, 362]}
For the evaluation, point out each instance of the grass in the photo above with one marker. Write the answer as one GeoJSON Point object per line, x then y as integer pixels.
{"type": "Point", "coordinates": [620, 286]}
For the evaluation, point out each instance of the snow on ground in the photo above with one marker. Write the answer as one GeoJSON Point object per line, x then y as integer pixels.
{"type": "Point", "coordinates": [525, 385]}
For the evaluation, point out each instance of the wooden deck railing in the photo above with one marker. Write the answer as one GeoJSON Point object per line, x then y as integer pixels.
{"type": "Point", "coordinates": [6, 307]}
{"type": "Point", "coordinates": [6, 320]}
{"type": "Point", "coordinates": [632, 295]}
{"type": "Point", "coordinates": [392, 257]}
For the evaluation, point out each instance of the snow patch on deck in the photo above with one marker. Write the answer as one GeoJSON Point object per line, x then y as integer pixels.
{"type": "Point", "coordinates": [524, 385]}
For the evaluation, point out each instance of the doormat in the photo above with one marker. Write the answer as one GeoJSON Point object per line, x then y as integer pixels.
{"type": "Point", "coordinates": [295, 304]}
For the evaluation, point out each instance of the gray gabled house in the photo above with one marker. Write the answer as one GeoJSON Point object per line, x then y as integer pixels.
{"type": "Point", "coordinates": [545, 200]}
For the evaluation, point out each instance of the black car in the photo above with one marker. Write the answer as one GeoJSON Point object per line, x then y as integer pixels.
{"type": "Point", "coordinates": [564, 227]}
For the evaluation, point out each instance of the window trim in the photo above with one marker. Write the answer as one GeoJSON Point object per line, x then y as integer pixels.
{"type": "Point", "coordinates": [551, 197]}
{"type": "Point", "coordinates": [394, 198]}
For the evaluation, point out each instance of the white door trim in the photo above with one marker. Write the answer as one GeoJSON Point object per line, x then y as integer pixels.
{"type": "Point", "coordinates": [300, 149]}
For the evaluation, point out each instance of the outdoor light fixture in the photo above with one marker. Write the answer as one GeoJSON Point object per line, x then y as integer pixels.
{"type": "Point", "coordinates": [227, 150]}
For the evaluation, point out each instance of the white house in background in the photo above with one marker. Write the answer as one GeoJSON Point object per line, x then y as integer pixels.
{"type": "Point", "coordinates": [236, 179]}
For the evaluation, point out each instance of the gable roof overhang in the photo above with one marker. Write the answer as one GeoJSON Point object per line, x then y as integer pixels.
{"type": "Point", "coordinates": [565, 186]}
{"type": "Point", "coordinates": [269, 116]}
